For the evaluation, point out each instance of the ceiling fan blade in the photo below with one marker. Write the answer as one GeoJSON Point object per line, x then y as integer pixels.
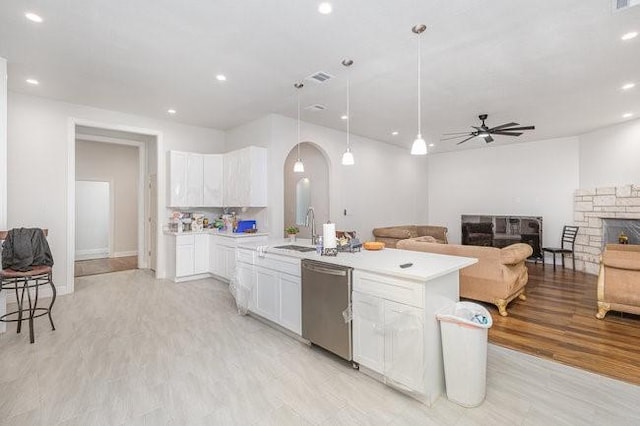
{"type": "Point", "coordinates": [504, 133]}
{"type": "Point", "coordinates": [519, 128]}
{"type": "Point", "coordinates": [469, 138]}
{"type": "Point", "coordinates": [456, 137]}
{"type": "Point", "coordinates": [488, 139]}
{"type": "Point", "coordinates": [456, 133]}
{"type": "Point", "coordinates": [502, 126]}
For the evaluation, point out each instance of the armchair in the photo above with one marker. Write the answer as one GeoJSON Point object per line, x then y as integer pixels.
{"type": "Point", "coordinates": [619, 280]}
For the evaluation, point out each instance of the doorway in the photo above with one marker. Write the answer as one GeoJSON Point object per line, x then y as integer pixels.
{"type": "Point", "coordinates": [114, 195]}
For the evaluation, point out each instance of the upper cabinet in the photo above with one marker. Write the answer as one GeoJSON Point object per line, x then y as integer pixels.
{"type": "Point", "coordinates": [235, 179]}
{"type": "Point", "coordinates": [213, 177]}
{"type": "Point", "coordinates": [245, 177]}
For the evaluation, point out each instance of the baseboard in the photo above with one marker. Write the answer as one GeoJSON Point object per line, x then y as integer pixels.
{"type": "Point", "coordinates": [125, 253]}
{"type": "Point", "coordinates": [98, 253]}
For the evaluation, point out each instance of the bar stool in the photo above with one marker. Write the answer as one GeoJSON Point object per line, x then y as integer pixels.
{"type": "Point", "coordinates": [22, 282]}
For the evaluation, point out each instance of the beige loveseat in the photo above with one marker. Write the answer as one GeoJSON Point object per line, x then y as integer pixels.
{"type": "Point", "coordinates": [499, 276]}
{"type": "Point", "coordinates": [619, 280]}
{"type": "Point", "coordinates": [390, 235]}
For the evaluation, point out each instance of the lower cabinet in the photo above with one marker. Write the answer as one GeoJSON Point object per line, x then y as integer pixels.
{"type": "Point", "coordinates": [276, 295]}
{"type": "Point", "coordinates": [184, 260]}
{"type": "Point", "coordinates": [388, 338]}
{"type": "Point", "coordinates": [290, 303]}
{"type": "Point", "coordinates": [201, 254]}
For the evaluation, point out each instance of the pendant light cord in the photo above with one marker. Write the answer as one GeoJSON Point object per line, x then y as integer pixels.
{"type": "Point", "coordinates": [298, 140]}
{"type": "Point", "coordinates": [419, 90]}
{"type": "Point", "coordinates": [348, 109]}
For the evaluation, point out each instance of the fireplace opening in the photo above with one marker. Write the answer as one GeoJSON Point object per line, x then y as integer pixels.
{"type": "Point", "coordinates": [616, 231]}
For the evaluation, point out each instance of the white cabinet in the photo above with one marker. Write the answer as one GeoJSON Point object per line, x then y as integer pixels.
{"type": "Point", "coordinates": [177, 179]}
{"type": "Point", "coordinates": [267, 297]}
{"type": "Point", "coordinates": [201, 254]}
{"type": "Point", "coordinates": [388, 329]}
{"type": "Point", "coordinates": [368, 331]}
{"type": "Point", "coordinates": [195, 180]}
{"type": "Point", "coordinates": [184, 255]}
{"type": "Point", "coordinates": [213, 175]}
{"type": "Point", "coordinates": [245, 177]}
{"type": "Point", "coordinates": [234, 179]}
{"type": "Point", "coordinates": [403, 345]}
{"type": "Point", "coordinates": [290, 303]}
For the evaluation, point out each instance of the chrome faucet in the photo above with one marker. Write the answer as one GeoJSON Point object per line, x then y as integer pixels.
{"type": "Point", "coordinates": [311, 217]}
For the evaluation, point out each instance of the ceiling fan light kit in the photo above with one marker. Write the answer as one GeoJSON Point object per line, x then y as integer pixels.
{"type": "Point", "coordinates": [483, 131]}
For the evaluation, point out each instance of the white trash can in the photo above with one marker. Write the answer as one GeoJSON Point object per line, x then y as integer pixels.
{"type": "Point", "coordinates": [464, 327]}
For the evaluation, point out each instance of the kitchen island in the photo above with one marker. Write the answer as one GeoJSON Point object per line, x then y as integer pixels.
{"type": "Point", "coordinates": [396, 337]}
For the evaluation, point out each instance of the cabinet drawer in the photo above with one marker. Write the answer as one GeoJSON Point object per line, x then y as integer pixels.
{"type": "Point", "coordinates": [284, 264]}
{"type": "Point", "coordinates": [185, 240]}
{"type": "Point", "coordinates": [389, 288]}
{"type": "Point", "coordinates": [245, 256]}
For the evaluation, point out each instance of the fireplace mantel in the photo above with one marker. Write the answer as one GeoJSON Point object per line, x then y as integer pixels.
{"type": "Point", "coordinates": [590, 207]}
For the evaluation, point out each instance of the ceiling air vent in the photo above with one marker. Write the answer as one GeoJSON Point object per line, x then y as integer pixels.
{"type": "Point", "coordinates": [320, 77]}
{"type": "Point", "coordinates": [619, 5]}
{"type": "Point", "coordinates": [316, 107]}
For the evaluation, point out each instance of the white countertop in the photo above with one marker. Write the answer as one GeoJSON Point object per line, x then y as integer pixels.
{"type": "Point", "coordinates": [216, 232]}
{"type": "Point", "coordinates": [426, 266]}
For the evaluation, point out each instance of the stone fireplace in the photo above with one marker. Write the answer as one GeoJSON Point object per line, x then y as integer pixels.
{"type": "Point", "coordinates": [591, 207]}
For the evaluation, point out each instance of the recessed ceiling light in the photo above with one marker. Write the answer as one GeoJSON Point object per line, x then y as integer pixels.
{"type": "Point", "coordinates": [432, 144]}
{"type": "Point", "coordinates": [343, 117]}
{"type": "Point", "coordinates": [394, 133]}
{"type": "Point", "coordinates": [629, 35]}
{"type": "Point", "coordinates": [628, 86]}
{"type": "Point", "coordinates": [627, 115]}
{"type": "Point", "coordinates": [325, 8]}
{"type": "Point", "coordinates": [33, 81]}
{"type": "Point", "coordinates": [33, 17]}
{"type": "Point", "coordinates": [171, 111]}
{"type": "Point", "coordinates": [221, 77]}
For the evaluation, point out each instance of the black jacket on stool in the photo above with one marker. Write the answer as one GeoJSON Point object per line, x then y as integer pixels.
{"type": "Point", "coordinates": [25, 248]}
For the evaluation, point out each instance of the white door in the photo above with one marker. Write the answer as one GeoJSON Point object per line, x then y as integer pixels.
{"type": "Point", "coordinates": [213, 176]}
{"type": "Point", "coordinates": [266, 289]}
{"type": "Point", "coordinates": [404, 345]}
{"type": "Point", "coordinates": [290, 303]}
{"type": "Point", "coordinates": [195, 179]}
{"type": "Point", "coordinates": [368, 331]}
{"type": "Point", "coordinates": [153, 220]}
{"type": "Point", "coordinates": [93, 219]}
{"type": "Point", "coordinates": [178, 179]}
{"type": "Point", "coordinates": [201, 253]}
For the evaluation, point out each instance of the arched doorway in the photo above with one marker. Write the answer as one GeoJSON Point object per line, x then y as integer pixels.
{"type": "Point", "coordinates": [307, 189]}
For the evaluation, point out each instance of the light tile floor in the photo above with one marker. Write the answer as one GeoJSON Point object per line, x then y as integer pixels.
{"type": "Point", "coordinates": [133, 350]}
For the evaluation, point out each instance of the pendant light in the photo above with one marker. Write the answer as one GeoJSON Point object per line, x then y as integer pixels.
{"type": "Point", "coordinates": [347, 157]}
{"type": "Point", "coordinates": [298, 167]}
{"type": "Point", "coordinates": [419, 146]}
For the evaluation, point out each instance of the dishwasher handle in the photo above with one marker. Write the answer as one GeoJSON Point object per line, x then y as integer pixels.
{"type": "Point", "coordinates": [325, 270]}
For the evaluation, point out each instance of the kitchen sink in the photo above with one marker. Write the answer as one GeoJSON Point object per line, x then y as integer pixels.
{"type": "Point", "coordinates": [296, 248]}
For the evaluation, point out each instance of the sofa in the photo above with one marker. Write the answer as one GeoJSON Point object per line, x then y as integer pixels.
{"type": "Point", "coordinates": [619, 280]}
{"type": "Point", "coordinates": [390, 235]}
{"type": "Point", "coordinates": [499, 277]}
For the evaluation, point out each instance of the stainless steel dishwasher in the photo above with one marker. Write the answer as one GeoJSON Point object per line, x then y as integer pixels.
{"type": "Point", "coordinates": [326, 294]}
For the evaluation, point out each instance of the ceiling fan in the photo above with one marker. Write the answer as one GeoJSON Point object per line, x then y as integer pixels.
{"type": "Point", "coordinates": [483, 131]}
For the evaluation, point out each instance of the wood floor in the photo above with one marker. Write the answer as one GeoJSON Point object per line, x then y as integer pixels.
{"type": "Point", "coordinates": [557, 322]}
{"type": "Point", "coordinates": [104, 266]}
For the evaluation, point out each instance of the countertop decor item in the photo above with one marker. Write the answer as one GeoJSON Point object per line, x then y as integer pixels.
{"type": "Point", "coordinates": [373, 245]}
{"type": "Point", "coordinates": [291, 231]}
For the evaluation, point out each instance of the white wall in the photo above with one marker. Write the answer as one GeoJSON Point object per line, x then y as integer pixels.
{"type": "Point", "coordinates": [386, 185]}
{"type": "Point", "coordinates": [37, 165]}
{"type": "Point", "coordinates": [536, 178]}
{"type": "Point", "coordinates": [3, 143]}
{"type": "Point", "coordinates": [117, 164]}
{"type": "Point", "coordinates": [610, 156]}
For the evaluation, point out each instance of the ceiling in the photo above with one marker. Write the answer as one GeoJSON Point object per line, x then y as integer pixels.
{"type": "Point", "coordinates": [556, 64]}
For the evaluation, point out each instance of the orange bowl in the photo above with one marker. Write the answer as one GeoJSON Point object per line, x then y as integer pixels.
{"type": "Point", "coordinates": [373, 245]}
